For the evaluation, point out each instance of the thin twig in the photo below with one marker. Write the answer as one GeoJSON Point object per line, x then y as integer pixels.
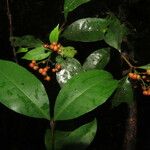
{"type": "Point", "coordinates": [11, 28]}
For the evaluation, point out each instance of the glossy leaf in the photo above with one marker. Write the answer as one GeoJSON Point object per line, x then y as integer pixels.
{"type": "Point", "coordinates": [124, 93]}
{"type": "Point", "coordinates": [70, 5]}
{"type": "Point", "coordinates": [83, 93]}
{"type": "Point", "coordinates": [86, 30]}
{"type": "Point", "coordinates": [22, 92]}
{"type": "Point", "coordinates": [68, 51]}
{"type": "Point", "coordinates": [98, 59]}
{"type": "Point", "coordinates": [147, 67]}
{"type": "Point", "coordinates": [70, 67]}
{"type": "Point", "coordinates": [28, 41]}
{"type": "Point", "coordinates": [115, 33]}
{"type": "Point", "coordinates": [38, 53]}
{"type": "Point", "coordinates": [22, 50]}
{"type": "Point", "coordinates": [80, 138]}
{"type": "Point", "coordinates": [54, 35]}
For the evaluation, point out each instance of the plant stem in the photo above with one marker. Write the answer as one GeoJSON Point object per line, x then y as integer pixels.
{"type": "Point", "coordinates": [131, 128]}
{"type": "Point", "coordinates": [127, 61]}
{"type": "Point", "coordinates": [11, 28]}
{"type": "Point", "coordinates": [52, 125]}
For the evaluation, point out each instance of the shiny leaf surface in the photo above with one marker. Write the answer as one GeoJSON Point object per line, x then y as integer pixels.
{"type": "Point", "coordinates": [98, 59]}
{"type": "Point", "coordinates": [115, 33]}
{"type": "Point", "coordinates": [86, 30]}
{"type": "Point", "coordinates": [22, 92]}
{"type": "Point", "coordinates": [70, 67]}
{"type": "Point", "coordinates": [79, 138]}
{"type": "Point", "coordinates": [124, 93]}
{"type": "Point", "coordinates": [37, 53]}
{"type": "Point", "coordinates": [83, 93]}
{"type": "Point", "coordinates": [70, 5]}
{"type": "Point", "coordinates": [67, 51]}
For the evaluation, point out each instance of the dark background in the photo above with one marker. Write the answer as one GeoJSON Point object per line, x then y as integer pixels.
{"type": "Point", "coordinates": [38, 18]}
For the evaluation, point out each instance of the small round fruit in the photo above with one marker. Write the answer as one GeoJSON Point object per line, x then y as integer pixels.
{"type": "Point", "coordinates": [40, 70]}
{"type": "Point", "coordinates": [130, 75]}
{"type": "Point", "coordinates": [58, 66]}
{"type": "Point", "coordinates": [51, 46]}
{"type": "Point", "coordinates": [44, 73]}
{"type": "Point", "coordinates": [47, 78]}
{"type": "Point", "coordinates": [53, 70]}
{"type": "Point", "coordinates": [33, 61]}
{"type": "Point", "coordinates": [35, 67]}
{"type": "Point", "coordinates": [148, 71]}
{"type": "Point", "coordinates": [145, 93]}
{"type": "Point", "coordinates": [31, 65]}
{"type": "Point", "coordinates": [55, 48]}
{"type": "Point", "coordinates": [46, 46]}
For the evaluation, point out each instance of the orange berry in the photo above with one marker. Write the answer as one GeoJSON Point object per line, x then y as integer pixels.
{"type": "Point", "coordinates": [40, 70]}
{"type": "Point", "coordinates": [45, 69]}
{"type": "Point", "coordinates": [148, 92]}
{"type": "Point", "coordinates": [47, 78]}
{"type": "Point", "coordinates": [31, 65]}
{"type": "Point", "coordinates": [44, 73]}
{"type": "Point", "coordinates": [35, 67]}
{"type": "Point", "coordinates": [33, 61]}
{"type": "Point", "coordinates": [145, 93]}
{"type": "Point", "coordinates": [130, 75]}
{"type": "Point", "coordinates": [55, 48]}
{"type": "Point", "coordinates": [46, 46]}
{"type": "Point", "coordinates": [58, 66]}
{"type": "Point", "coordinates": [51, 46]}
{"type": "Point", "coordinates": [54, 70]}
{"type": "Point", "coordinates": [148, 71]}
{"type": "Point", "coordinates": [134, 77]}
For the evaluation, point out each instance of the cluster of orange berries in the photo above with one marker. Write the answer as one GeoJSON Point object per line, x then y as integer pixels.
{"type": "Point", "coordinates": [146, 91]}
{"type": "Point", "coordinates": [53, 46]}
{"type": "Point", "coordinates": [134, 76]}
{"type": "Point", "coordinates": [44, 70]}
{"type": "Point", "coordinates": [144, 78]}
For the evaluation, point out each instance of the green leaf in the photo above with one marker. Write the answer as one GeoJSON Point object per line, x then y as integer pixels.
{"type": "Point", "coordinates": [70, 67]}
{"type": "Point", "coordinates": [83, 93]}
{"type": "Point", "coordinates": [28, 41]}
{"type": "Point", "coordinates": [86, 30]}
{"type": "Point", "coordinates": [146, 67]}
{"type": "Point", "coordinates": [115, 33]}
{"type": "Point", "coordinates": [80, 138]}
{"type": "Point", "coordinates": [37, 53]}
{"type": "Point", "coordinates": [54, 35]}
{"type": "Point", "coordinates": [68, 51]}
{"type": "Point", "coordinates": [70, 5]}
{"type": "Point", "coordinates": [98, 59]}
{"type": "Point", "coordinates": [22, 50]}
{"type": "Point", "coordinates": [124, 93]}
{"type": "Point", "coordinates": [22, 92]}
